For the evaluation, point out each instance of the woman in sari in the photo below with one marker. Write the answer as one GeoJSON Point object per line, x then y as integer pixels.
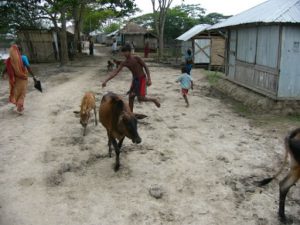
{"type": "Point", "coordinates": [17, 68]}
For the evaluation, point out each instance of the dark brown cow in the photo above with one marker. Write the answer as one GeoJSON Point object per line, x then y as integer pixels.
{"type": "Point", "coordinates": [292, 148]}
{"type": "Point", "coordinates": [116, 116]}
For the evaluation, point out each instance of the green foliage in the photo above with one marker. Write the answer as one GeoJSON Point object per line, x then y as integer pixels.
{"type": "Point", "coordinates": [93, 18]}
{"type": "Point", "coordinates": [98, 12]}
{"type": "Point", "coordinates": [145, 20]}
{"type": "Point", "coordinates": [19, 14]}
{"type": "Point", "coordinates": [213, 18]}
{"type": "Point", "coordinates": [179, 19]}
{"type": "Point", "coordinates": [111, 28]}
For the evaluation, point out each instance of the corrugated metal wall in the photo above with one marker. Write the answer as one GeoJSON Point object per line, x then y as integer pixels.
{"type": "Point", "coordinates": [232, 54]}
{"type": "Point", "coordinates": [267, 46]}
{"type": "Point", "coordinates": [246, 47]}
{"type": "Point", "coordinates": [256, 64]}
{"type": "Point", "coordinates": [202, 50]}
{"type": "Point", "coordinates": [289, 82]}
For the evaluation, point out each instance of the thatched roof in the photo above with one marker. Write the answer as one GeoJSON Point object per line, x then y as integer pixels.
{"type": "Point", "coordinates": [133, 28]}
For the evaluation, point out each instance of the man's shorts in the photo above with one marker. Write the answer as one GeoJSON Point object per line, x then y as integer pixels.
{"type": "Point", "coordinates": [138, 86]}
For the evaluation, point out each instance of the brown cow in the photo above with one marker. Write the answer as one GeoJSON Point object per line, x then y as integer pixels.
{"type": "Point", "coordinates": [292, 148]}
{"type": "Point", "coordinates": [116, 116]}
{"type": "Point", "coordinates": [88, 104]}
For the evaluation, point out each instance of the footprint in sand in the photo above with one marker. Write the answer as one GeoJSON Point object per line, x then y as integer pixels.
{"type": "Point", "coordinates": [26, 182]}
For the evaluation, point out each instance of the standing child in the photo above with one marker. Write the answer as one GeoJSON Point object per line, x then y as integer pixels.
{"type": "Point", "coordinates": [188, 61]}
{"type": "Point", "coordinates": [186, 82]}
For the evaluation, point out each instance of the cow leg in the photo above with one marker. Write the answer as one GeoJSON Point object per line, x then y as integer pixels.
{"type": "Point", "coordinates": [109, 145]}
{"type": "Point", "coordinates": [96, 122]}
{"type": "Point", "coordinates": [117, 150]}
{"type": "Point", "coordinates": [120, 143]}
{"type": "Point", "coordinates": [284, 188]}
{"type": "Point", "coordinates": [84, 130]}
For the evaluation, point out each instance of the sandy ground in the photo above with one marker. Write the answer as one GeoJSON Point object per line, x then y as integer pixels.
{"type": "Point", "coordinates": [204, 158]}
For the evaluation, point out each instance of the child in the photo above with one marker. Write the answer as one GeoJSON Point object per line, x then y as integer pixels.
{"type": "Point", "coordinates": [140, 77]}
{"type": "Point", "coordinates": [188, 61]}
{"type": "Point", "coordinates": [186, 83]}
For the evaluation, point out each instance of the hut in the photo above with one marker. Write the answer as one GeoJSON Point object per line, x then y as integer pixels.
{"type": "Point", "coordinates": [138, 35]}
{"type": "Point", "coordinates": [208, 46]}
{"type": "Point", "coordinates": [263, 49]}
{"type": "Point", "coordinates": [42, 45]}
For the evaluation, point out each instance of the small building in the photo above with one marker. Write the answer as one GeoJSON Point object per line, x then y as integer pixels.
{"type": "Point", "coordinates": [98, 36]}
{"type": "Point", "coordinates": [263, 49]}
{"type": "Point", "coordinates": [42, 45]}
{"type": "Point", "coordinates": [139, 36]}
{"type": "Point", "coordinates": [208, 47]}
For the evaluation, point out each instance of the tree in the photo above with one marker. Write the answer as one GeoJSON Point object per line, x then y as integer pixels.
{"type": "Point", "coordinates": [98, 12]}
{"type": "Point", "coordinates": [146, 20]}
{"type": "Point", "coordinates": [179, 19]}
{"type": "Point", "coordinates": [213, 18]}
{"type": "Point", "coordinates": [111, 27]}
{"type": "Point", "coordinates": [19, 14]}
{"type": "Point", "coordinates": [160, 13]}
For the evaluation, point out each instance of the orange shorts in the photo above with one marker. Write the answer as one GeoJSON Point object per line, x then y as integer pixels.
{"type": "Point", "coordinates": [184, 91]}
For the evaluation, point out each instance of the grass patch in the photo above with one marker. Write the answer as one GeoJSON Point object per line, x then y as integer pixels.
{"type": "Point", "coordinates": [213, 76]}
{"type": "Point", "coordinates": [241, 109]}
{"type": "Point", "coordinates": [294, 118]}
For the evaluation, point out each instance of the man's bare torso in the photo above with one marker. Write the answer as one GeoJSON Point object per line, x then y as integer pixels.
{"type": "Point", "coordinates": [134, 65]}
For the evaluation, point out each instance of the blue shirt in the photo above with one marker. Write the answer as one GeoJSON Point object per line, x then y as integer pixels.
{"type": "Point", "coordinates": [25, 61]}
{"type": "Point", "coordinates": [185, 81]}
{"type": "Point", "coordinates": [188, 58]}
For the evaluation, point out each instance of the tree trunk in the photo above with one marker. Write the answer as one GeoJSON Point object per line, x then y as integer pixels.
{"type": "Point", "coordinates": [78, 10]}
{"type": "Point", "coordinates": [63, 39]}
{"type": "Point", "coordinates": [75, 17]}
{"type": "Point", "coordinates": [161, 44]}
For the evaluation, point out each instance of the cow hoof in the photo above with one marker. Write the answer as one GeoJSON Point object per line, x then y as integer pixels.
{"type": "Point", "coordinates": [283, 219]}
{"type": "Point", "coordinates": [117, 167]}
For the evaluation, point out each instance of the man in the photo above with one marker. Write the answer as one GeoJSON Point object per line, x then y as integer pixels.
{"type": "Point", "coordinates": [139, 82]}
{"type": "Point", "coordinates": [91, 46]}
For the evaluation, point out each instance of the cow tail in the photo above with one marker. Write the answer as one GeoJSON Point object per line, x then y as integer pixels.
{"type": "Point", "coordinates": [268, 180]}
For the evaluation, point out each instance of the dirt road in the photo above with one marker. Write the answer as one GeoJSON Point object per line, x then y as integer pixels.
{"type": "Point", "coordinates": [204, 159]}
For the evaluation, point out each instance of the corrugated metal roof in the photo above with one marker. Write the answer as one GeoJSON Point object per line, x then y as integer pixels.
{"type": "Point", "coordinates": [113, 33]}
{"type": "Point", "coordinates": [192, 32]}
{"type": "Point", "coordinates": [272, 11]}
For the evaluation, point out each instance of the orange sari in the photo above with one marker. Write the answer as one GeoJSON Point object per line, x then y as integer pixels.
{"type": "Point", "coordinates": [18, 77]}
